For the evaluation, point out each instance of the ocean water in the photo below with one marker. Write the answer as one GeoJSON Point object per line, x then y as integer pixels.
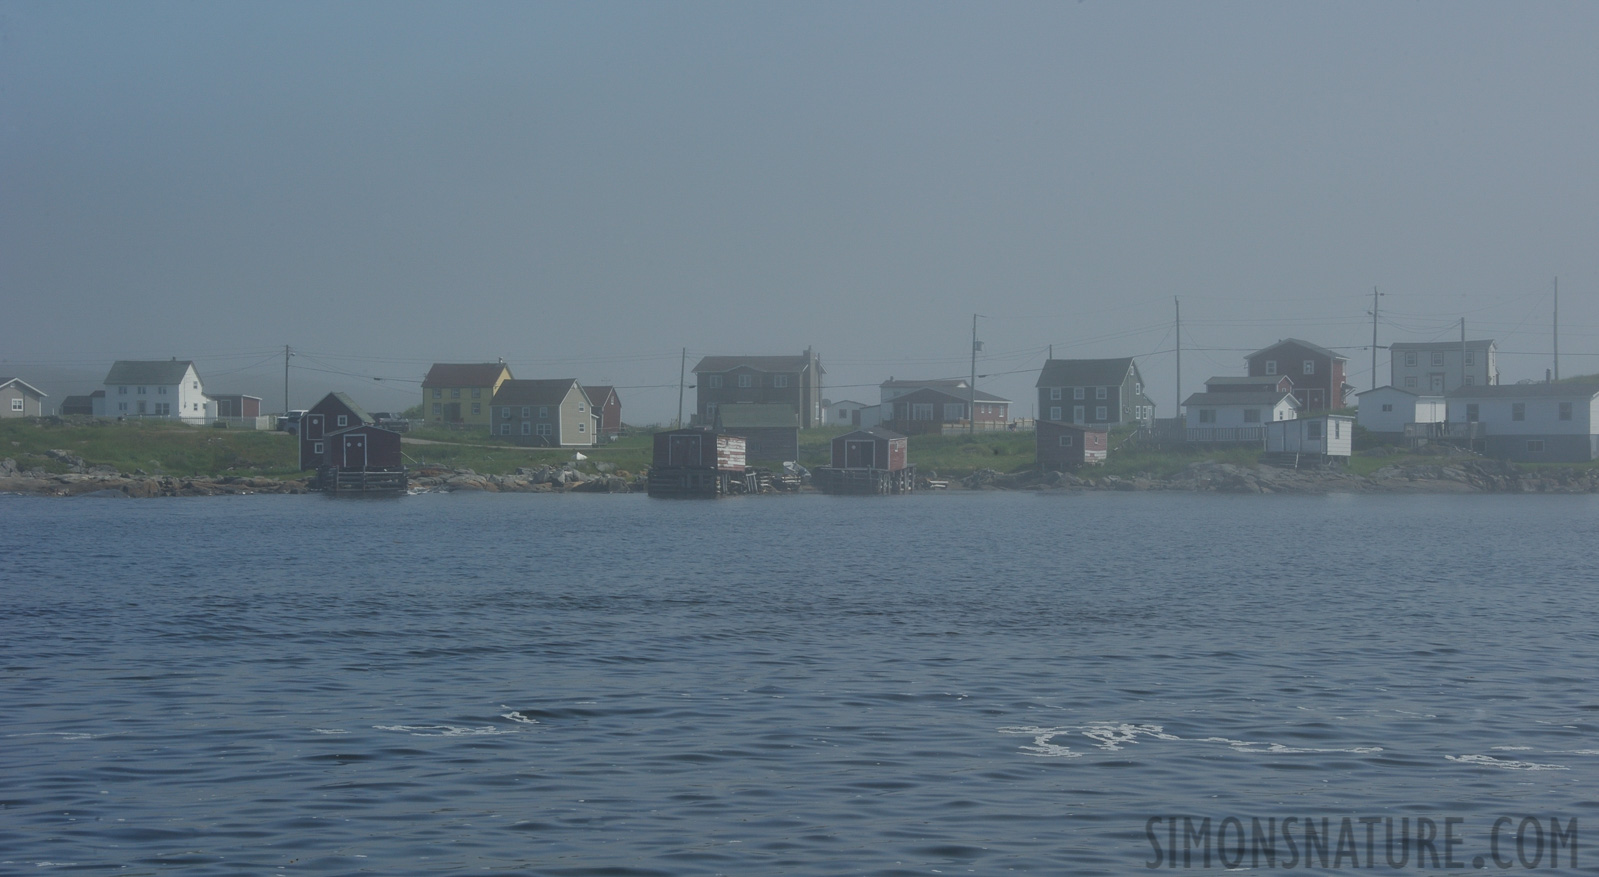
{"type": "Point", "coordinates": [956, 683]}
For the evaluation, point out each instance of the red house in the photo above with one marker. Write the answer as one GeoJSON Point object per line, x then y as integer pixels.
{"type": "Point", "coordinates": [1070, 446]}
{"type": "Point", "coordinates": [607, 409]}
{"type": "Point", "coordinates": [1319, 375]}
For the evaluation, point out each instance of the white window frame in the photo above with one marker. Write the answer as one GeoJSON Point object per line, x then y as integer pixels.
{"type": "Point", "coordinates": [1079, 394]}
{"type": "Point", "coordinates": [1101, 414]}
{"type": "Point", "coordinates": [1101, 392]}
{"type": "Point", "coordinates": [1310, 366]}
{"type": "Point", "coordinates": [713, 381]}
{"type": "Point", "coordinates": [746, 381]}
{"type": "Point", "coordinates": [1054, 413]}
{"type": "Point", "coordinates": [505, 428]}
{"type": "Point", "coordinates": [544, 430]}
{"type": "Point", "coordinates": [527, 427]}
{"type": "Point", "coordinates": [1066, 440]}
{"type": "Point", "coordinates": [1410, 359]}
{"type": "Point", "coordinates": [16, 404]}
{"type": "Point", "coordinates": [1437, 357]}
{"type": "Point", "coordinates": [1079, 413]}
{"type": "Point", "coordinates": [1055, 394]}
{"type": "Point", "coordinates": [1271, 366]}
{"type": "Point", "coordinates": [344, 420]}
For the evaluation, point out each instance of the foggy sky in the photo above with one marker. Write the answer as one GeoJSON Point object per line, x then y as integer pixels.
{"type": "Point", "coordinates": [586, 189]}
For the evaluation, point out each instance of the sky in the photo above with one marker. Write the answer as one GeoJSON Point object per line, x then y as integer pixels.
{"type": "Point", "coordinates": [587, 190]}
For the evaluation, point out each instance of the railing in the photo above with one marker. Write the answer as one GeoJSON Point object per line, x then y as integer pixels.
{"type": "Point", "coordinates": [1464, 432]}
{"type": "Point", "coordinates": [1228, 435]}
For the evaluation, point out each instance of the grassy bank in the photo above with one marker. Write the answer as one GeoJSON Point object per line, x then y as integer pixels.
{"type": "Point", "coordinates": [149, 446]}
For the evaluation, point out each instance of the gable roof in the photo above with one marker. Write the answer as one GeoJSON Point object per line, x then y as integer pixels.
{"type": "Point", "coordinates": [599, 393]}
{"type": "Point", "coordinates": [758, 363]}
{"type": "Point", "coordinates": [1220, 400]}
{"type": "Point", "coordinates": [549, 391]}
{"type": "Point", "coordinates": [1558, 390]}
{"type": "Point", "coordinates": [747, 415]}
{"type": "Point", "coordinates": [1390, 388]}
{"type": "Point", "coordinates": [150, 372]}
{"type": "Point", "coordinates": [1313, 348]}
{"type": "Point", "coordinates": [956, 396]}
{"type": "Point", "coordinates": [1085, 372]}
{"type": "Point", "coordinates": [6, 382]}
{"type": "Point", "coordinates": [1247, 380]}
{"type": "Point", "coordinates": [465, 374]}
{"type": "Point", "coordinates": [947, 384]}
{"type": "Point", "coordinates": [343, 399]}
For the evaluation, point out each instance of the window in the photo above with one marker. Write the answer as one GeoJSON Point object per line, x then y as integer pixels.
{"type": "Point", "coordinates": [455, 392]}
{"type": "Point", "coordinates": [544, 411]}
{"type": "Point", "coordinates": [1101, 393]}
{"type": "Point", "coordinates": [1078, 415]}
{"type": "Point", "coordinates": [438, 408]}
{"type": "Point", "coordinates": [477, 392]}
{"type": "Point", "coordinates": [1271, 366]}
{"type": "Point", "coordinates": [344, 420]}
{"type": "Point", "coordinates": [1470, 380]}
{"type": "Point", "coordinates": [122, 391]}
{"type": "Point", "coordinates": [542, 429]}
{"type": "Point", "coordinates": [1565, 410]}
{"type": "Point", "coordinates": [316, 447]}
{"type": "Point", "coordinates": [1471, 413]}
{"type": "Point", "coordinates": [1055, 393]}
{"type": "Point", "coordinates": [1138, 388]}
{"type": "Point", "coordinates": [1054, 413]}
{"type": "Point", "coordinates": [1410, 382]}
{"type": "Point", "coordinates": [1518, 411]}
{"type": "Point", "coordinates": [1410, 359]}
{"type": "Point", "coordinates": [1388, 408]}
{"type": "Point", "coordinates": [1251, 415]}
{"type": "Point", "coordinates": [1471, 357]}
{"type": "Point", "coordinates": [582, 427]}
{"type": "Point", "coordinates": [713, 381]}
{"type": "Point", "coordinates": [505, 428]}
{"type": "Point", "coordinates": [1207, 415]}
{"type": "Point", "coordinates": [526, 411]}
{"type": "Point", "coordinates": [779, 380]}
{"type": "Point", "coordinates": [477, 407]}
{"type": "Point", "coordinates": [1534, 446]}
{"type": "Point", "coordinates": [122, 406]}
{"type": "Point", "coordinates": [163, 408]}
{"type": "Point", "coordinates": [141, 391]}
{"type": "Point", "coordinates": [746, 380]}
{"type": "Point", "coordinates": [1066, 440]}
{"type": "Point", "coordinates": [505, 413]}
{"type": "Point", "coordinates": [16, 404]}
{"type": "Point", "coordinates": [196, 385]}
{"type": "Point", "coordinates": [1313, 429]}
{"type": "Point", "coordinates": [1437, 357]}
{"type": "Point", "coordinates": [438, 393]}
{"type": "Point", "coordinates": [527, 427]}
{"type": "Point", "coordinates": [1310, 366]}
{"type": "Point", "coordinates": [1101, 414]}
{"type": "Point", "coordinates": [1079, 393]}
{"type": "Point", "coordinates": [161, 391]}
{"type": "Point", "coordinates": [580, 408]}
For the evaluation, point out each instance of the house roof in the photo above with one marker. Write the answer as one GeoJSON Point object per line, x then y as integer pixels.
{"type": "Point", "coordinates": [6, 382]}
{"type": "Point", "coordinates": [1558, 390]}
{"type": "Point", "coordinates": [1261, 380]}
{"type": "Point", "coordinates": [1313, 348]}
{"type": "Point", "coordinates": [1439, 345]}
{"type": "Point", "coordinates": [551, 391]}
{"type": "Point", "coordinates": [1224, 399]}
{"type": "Point", "coordinates": [465, 374]}
{"type": "Point", "coordinates": [598, 393]}
{"type": "Point", "coordinates": [748, 415]}
{"type": "Point", "coordinates": [1084, 372]}
{"type": "Point", "coordinates": [758, 363]}
{"type": "Point", "coordinates": [849, 402]}
{"type": "Point", "coordinates": [956, 396]}
{"type": "Point", "coordinates": [148, 372]}
{"type": "Point", "coordinates": [345, 400]}
{"type": "Point", "coordinates": [1392, 389]}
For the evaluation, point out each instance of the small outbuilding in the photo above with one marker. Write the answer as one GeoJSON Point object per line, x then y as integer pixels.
{"type": "Point", "coordinates": [770, 429]}
{"type": "Point", "coordinates": [1310, 440]}
{"type": "Point", "coordinates": [868, 461]}
{"type": "Point", "coordinates": [698, 463]}
{"type": "Point", "coordinates": [348, 450]}
{"type": "Point", "coordinates": [1063, 446]}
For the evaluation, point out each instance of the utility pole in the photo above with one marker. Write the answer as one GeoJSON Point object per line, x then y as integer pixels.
{"type": "Point", "coordinates": [682, 364]}
{"type": "Point", "coordinates": [1463, 371]}
{"type": "Point", "coordinates": [1557, 328]}
{"type": "Point", "coordinates": [1178, 408]}
{"type": "Point", "coordinates": [1374, 294]}
{"type": "Point", "coordinates": [286, 356]}
{"type": "Point", "coordinates": [971, 405]}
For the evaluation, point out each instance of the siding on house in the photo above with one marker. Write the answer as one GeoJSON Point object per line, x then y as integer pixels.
{"type": "Point", "coordinates": [795, 381]}
{"type": "Point", "coordinates": [1439, 367]}
{"type": "Point", "coordinates": [1319, 374]}
{"type": "Point", "coordinates": [1093, 391]}
{"type": "Point", "coordinates": [1532, 423]}
{"type": "Point", "coordinates": [461, 393]}
{"type": "Point", "coordinates": [168, 389]}
{"type": "Point", "coordinates": [18, 398]}
{"type": "Point", "coordinates": [544, 413]}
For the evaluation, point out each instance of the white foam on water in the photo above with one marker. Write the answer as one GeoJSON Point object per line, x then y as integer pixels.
{"type": "Point", "coordinates": [1490, 761]}
{"type": "Point", "coordinates": [1511, 748]}
{"type": "Point", "coordinates": [445, 730]}
{"type": "Point", "coordinates": [515, 716]}
{"type": "Point", "coordinates": [1112, 736]}
{"type": "Point", "coordinates": [329, 731]}
{"type": "Point", "coordinates": [65, 735]}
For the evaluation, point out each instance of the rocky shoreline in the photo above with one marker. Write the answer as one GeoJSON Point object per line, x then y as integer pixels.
{"type": "Point", "coordinates": [1472, 475]}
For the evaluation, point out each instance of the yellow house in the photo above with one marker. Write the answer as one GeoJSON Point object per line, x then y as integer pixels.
{"type": "Point", "coordinates": [462, 393]}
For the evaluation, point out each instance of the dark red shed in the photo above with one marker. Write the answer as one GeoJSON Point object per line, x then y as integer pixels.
{"type": "Point", "coordinates": [1068, 446]}
{"type": "Point", "coordinates": [872, 448]}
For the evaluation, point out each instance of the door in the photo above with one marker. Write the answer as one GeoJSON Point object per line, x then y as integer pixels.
{"type": "Point", "coordinates": [355, 451]}
{"type": "Point", "coordinates": [859, 454]}
{"type": "Point", "coordinates": [683, 450]}
{"type": "Point", "coordinates": [312, 425]}
{"type": "Point", "coordinates": [1435, 383]}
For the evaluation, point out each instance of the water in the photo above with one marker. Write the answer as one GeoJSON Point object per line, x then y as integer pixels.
{"type": "Point", "coordinates": [609, 685]}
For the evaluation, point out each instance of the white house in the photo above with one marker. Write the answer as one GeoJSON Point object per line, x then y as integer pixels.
{"type": "Point", "coordinates": [1329, 435]}
{"type": "Point", "coordinates": [1550, 423]}
{"type": "Point", "coordinates": [155, 388]}
{"type": "Point", "coordinates": [1236, 416]}
{"type": "Point", "coordinates": [1438, 367]}
{"type": "Point", "coordinates": [1389, 409]}
{"type": "Point", "coordinates": [18, 398]}
{"type": "Point", "coordinates": [850, 413]}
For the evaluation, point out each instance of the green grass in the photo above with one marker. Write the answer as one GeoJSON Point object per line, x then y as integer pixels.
{"type": "Point", "coordinates": [154, 447]}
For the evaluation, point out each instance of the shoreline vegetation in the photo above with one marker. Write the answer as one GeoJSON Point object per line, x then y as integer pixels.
{"type": "Point", "coordinates": [54, 456]}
